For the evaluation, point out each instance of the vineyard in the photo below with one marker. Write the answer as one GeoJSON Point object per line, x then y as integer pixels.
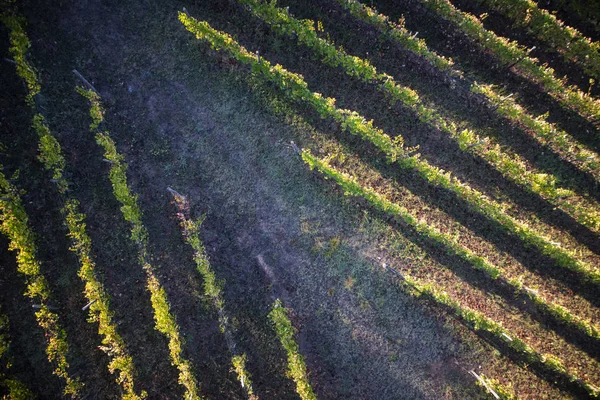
{"type": "Point", "coordinates": [300, 199]}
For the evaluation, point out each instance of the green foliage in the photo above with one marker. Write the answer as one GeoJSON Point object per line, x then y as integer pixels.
{"type": "Point", "coordinates": [296, 88]}
{"type": "Point", "coordinates": [14, 224]}
{"type": "Point", "coordinates": [504, 392]}
{"type": "Point", "coordinates": [50, 153]}
{"type": "Point", "coordinates": [510, 164]}
{"type": "Point", "coordinates": [448, 240]}
{"type": "Point", "coordinates": [239, 366]}
{"type": "Point", "coordinates": [510, 52]}
{"type": "Point", "coordinates": [17, 390]}
{"type": "Point", "coordinates": [396, 31]}
{"type": "Point", "coordinates": [96, 110]}
{"type": "Point", "coordinates": [19, 44]}
{"type": "Point", "coordinates": [212, 287]}
{"type": "Point", "coordinates": [566, 40]}
{"type": "Point", "coordinates": [544, 132]}
{"type": "Point", "coordinates": [165, 321]}
{"type": "Point", "coordinates": [296, 365]}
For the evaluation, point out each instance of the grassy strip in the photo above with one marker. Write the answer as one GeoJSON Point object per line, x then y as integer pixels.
{"type": "Point", "coordinates": [475, 319]}
{"type": "Point", "coordinates": [14, 388]}
{"type": "Point", "coordinates": [538, 127]}
{"type": "Point", "coordinates": [296, 366]}
{"type": "Point", "coordinates": [50, 155]}
{"type": "Point", "coordinates": [296, 89]}
{"type": "Point", "coordinates": [164, 319]}
{"type": "Point", "coordinates": [14, 224]}
{"type": "Point", "coordinates": [511, 165]}
{"type": "Point", "coordinates": [212, 288]}
{"type": "Point", "coordinates": [449, 241]}
{"type": "Point", "coordinates": [566, 40]}
{"type": "Point", "coordinates": [511, 53]}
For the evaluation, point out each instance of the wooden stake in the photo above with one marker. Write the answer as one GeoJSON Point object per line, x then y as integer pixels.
{"type": "Point", "coordinates": [89, 85]}
{"type": "Point", "coordinates": [88, 305]}
{"type": "Point", "coordinates": [480, 379]}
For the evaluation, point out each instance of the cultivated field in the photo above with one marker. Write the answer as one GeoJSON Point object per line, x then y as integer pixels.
{"type": "Point", "coordinates": [315, 199]}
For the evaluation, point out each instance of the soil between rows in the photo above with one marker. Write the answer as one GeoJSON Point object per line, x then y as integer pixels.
{"type": "Point", "coordinates": [183, 122]}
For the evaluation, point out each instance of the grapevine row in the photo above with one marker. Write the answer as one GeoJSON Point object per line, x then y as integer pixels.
{"type": "Point", "coordinates": [19, 44]}
{"type": "Point", "coordinates": [14, 224]}
{"type": "Point", "coordinates": [212, 287]}
{"type": "Point", "coordinates": [294, 86]}
{"type": "Point", "coordinates": [511, 53]}
{"type": "Point", "coordinates": [450, 243]}
{"type": "Point", "coordinates": [509, 164]}
{"type": "Point", "coordinates": [477, 320]}
{"type": "Point", "coordinates": [566, 40]}
{"type": "Point", "coordinates": [546, 133]}
{"type": "Point", "coordinates": [296, 365]}
{"type": "Point", "coordinates": [164, 319]}
{"type": "Point", "coordinates": [15, 389]}
{"type": "Point", "coordinates": [499, 390]}
{"type": "Point", "coordinates": [538, 128]}
{"type": "Point", "coordinates": [112, 342]}
{"type": "Point", "coordinates": [81, 245]}
{"type": "Point", "coordinates": [51, 156]}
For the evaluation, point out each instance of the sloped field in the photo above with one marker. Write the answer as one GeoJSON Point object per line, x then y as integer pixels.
{"type": "Point", "coordinates": [300, 199]}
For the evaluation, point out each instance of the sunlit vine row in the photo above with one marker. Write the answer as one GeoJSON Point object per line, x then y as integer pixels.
{"type": "Point", "coordinates": [510, 164]}
{"type": "Point", "coordinates": [511, 53]}
{"type": "Point", "coordinates": [538, 127]}
{"type": "Point", "coordinates": [165, 321]}
{"type": "Point", "coordinates": [477, 320]}
{"type": "Point", "coordinates": [296, 89]}
{"type": "Point", "coordinates": [212, 287]}
{"type": "Point", "coordinates": [296, 365]}
{"type": "Point", "coordinates": [14, 224]}
{"type": "Point", "coordinates": [565, 39]}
